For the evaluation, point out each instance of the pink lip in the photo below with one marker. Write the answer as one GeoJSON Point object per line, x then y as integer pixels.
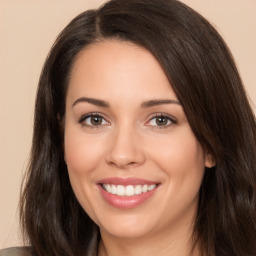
{"type": "Point", "coordinates": [126, 202]}
{"type": "Point", "coordinates": [126, 181]}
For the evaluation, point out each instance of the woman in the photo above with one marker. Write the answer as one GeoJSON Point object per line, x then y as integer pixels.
{"type": "Point", "coordinates": [144, 141]}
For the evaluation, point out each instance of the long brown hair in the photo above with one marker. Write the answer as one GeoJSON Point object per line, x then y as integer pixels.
{"type": "Point", "coordinates": [204, 77]}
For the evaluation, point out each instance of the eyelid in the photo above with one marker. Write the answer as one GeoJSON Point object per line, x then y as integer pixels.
{"type": "Point", "coordinates": [171, 118]}
{"type": "Point", "coordinates": [168, 116]}
{"type": "Point", "coordinates": [82, 118]}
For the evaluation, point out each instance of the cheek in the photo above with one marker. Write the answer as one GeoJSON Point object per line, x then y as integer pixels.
{"type": "Point", "coordinates": [181, 158]}
{"type": "Point", "coordinates": [181, 152]}
{"type": "Point", "coordinates": [82, 157]}
{"type": "Point", "coordinates": [81, 154]}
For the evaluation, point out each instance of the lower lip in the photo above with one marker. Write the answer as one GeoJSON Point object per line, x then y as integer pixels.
{"type": "Point", "coordinates": [126, 202]}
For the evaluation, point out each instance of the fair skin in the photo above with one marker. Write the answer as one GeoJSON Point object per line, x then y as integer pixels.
{"type": "Point", "coordinates": [124, 124]}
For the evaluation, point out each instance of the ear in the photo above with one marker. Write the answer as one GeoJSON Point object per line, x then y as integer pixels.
{"type": "Point", "coordinates": [209, 161]}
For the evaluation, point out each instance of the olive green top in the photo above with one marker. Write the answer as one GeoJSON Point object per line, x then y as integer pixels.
{"type": "Point", "coordinates": [16, 251]}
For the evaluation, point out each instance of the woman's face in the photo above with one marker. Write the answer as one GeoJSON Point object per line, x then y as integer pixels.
{"type": "Point", "coordinates": [133, 161]}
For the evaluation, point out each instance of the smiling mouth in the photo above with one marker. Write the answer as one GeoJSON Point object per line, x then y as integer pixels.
{"type": "Point", "coordinates": [127, 193]}
{"type": "Point", "coordinates": [129, 190]}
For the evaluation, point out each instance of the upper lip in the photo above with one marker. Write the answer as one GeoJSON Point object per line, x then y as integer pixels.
{"type": "Point", "coordinates": [126, 181]}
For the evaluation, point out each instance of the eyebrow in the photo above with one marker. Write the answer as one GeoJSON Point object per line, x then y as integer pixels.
{"type": "Point", "coordinates": [146, 104]}
{"type": "Point", "coordinates": [152, 103]}
{"type": "Point", "coordinates": [97, 102]}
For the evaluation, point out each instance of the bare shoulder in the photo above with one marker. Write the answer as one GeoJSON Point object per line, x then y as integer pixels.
{"type": "Point", "coordinates": [16, 251]}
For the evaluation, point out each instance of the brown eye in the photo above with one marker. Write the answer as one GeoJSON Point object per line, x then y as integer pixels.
{"type": "Point", "coordinates": [161, 120]}
{"type": "Point", "coordinates": [96, 120]}
{"type": "Point", "coordinates": [93, 120]}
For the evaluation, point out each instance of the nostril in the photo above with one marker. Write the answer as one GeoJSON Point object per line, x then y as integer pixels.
{"type": "Point", "coordinates": [123, 165]}
{"type": "Point", "coordinates": [124, 151]}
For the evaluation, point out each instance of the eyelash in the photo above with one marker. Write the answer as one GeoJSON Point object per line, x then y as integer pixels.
{"type": "Point", "coordinates": [91, 115]}
{"type": "Point", "coordinates": [171, 120]}
{"type": "Point", "coordinates": [168, 118]}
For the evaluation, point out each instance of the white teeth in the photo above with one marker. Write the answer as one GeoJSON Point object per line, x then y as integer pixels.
{"type": "Point", "coordinates": [108, 187]}
{"type": "Point", "coordinates": [120, 190]}
{"type": "Point", "coordinates": [113, 190]}
{"type": "Point", "coordinates": [151, 187]}
{"type": "Point", "coordinates": [138, 189]}
{"type": "Point", "coordinates": [129, 190]}
{"type": "Point", "coordinates": [145, 188]}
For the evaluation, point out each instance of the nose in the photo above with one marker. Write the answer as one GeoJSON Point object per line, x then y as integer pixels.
{"type": "Point", "coordinates": [125, 149]}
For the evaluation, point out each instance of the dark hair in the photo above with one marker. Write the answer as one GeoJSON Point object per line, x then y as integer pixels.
{"type": "Point", "coordinates": [204, 77]}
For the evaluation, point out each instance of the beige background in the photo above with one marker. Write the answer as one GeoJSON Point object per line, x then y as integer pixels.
{"type": "Point", "coordinates": [27, 31]}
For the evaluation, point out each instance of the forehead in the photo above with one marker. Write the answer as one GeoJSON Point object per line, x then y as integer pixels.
{"type": "Point", "coordinates": [118, 68]}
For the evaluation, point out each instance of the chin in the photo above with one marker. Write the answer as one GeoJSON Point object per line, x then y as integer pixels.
{"type": "Point", "coordinates": [126, 232]}
{"type": "Point", "coordinates": [127, 226]}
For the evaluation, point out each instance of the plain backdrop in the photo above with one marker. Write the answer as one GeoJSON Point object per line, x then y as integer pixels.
{"type": "Point", "coordinates": [27, 30]}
